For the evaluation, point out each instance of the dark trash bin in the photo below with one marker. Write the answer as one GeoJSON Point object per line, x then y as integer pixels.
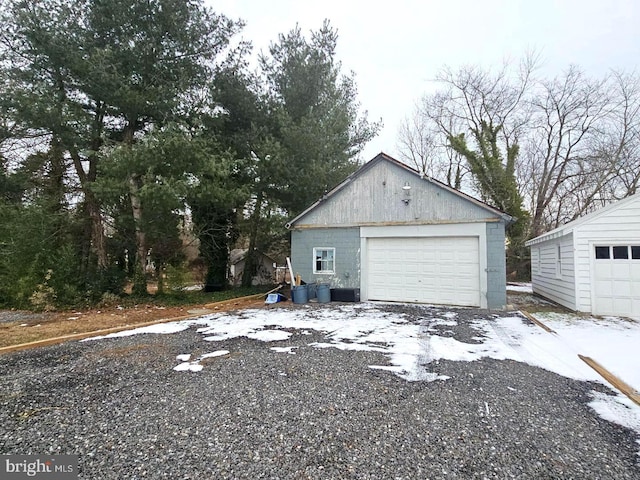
{"type": "Point", "coordinates": [324, 293]}
{"type": "Point", "coordinates": [311, 291]}
{"type": "Point", "coordinates": [299, 294]}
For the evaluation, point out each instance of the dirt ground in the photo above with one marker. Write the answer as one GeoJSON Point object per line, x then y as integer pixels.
{"type": "Point", "coordinates": [19, 327]}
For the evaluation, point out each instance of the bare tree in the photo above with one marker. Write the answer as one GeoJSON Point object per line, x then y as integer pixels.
{"type": "Point", "coordinates": [423, 144]}
{"type": "Point", "coordinates": [619, 144]}
{"type": "Point", "coordinates": [417, 143]}
{"type": "Point", "coordinates": [571, 143]}
{"type": "Point", "coordinates": [481, 117]}
{"type": "Point", "coordinates": [562, 173]}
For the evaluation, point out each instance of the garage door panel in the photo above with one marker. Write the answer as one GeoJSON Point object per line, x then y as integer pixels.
{"type": "Point", "coordinates": [604, 287]}
{"type": "Point", "coordinates": [620, 270]}
{"type": "Point", "coordinates": [443, 270]}
{"type": "Point", "coordinates": [467, 257]}
{"type": "Point", "coordinates": [602, 270]}
{"type": "Point", "coordinates": [465, 298]}
{"type": "Point", "coordinates": [466, 270]}
{"type": "Point", "coordinates": [621, 287]}
{"type": "Point", "coordinates": [448, 283]}
{"type": "Point", "coordinates": [447, 256]}
{"type": "Point", "coordinates": [616, 287]}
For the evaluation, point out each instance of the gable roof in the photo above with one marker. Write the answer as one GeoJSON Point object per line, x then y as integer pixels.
{"type": "Point", "coordinates": [569, 227]}
{"type": "Point", "coordinates": [383, 157]}
{"type": "Point", "coordinates": [238, 254]}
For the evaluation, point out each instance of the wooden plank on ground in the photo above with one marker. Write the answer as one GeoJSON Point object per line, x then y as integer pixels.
{"type": "Point", "coordinates": [80, 336]}
{"type": "Point", "coordinates": [537, 322]}
{"type": "Point", "coordinates": [625, 388]}
{"type": "Point", "coordinates": [105, 331]}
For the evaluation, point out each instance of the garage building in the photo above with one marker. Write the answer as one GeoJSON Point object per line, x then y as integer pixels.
{"type": "Point", "coordinates": [401, 236]}
{"type": "Point", "coordinates": [593, 263]}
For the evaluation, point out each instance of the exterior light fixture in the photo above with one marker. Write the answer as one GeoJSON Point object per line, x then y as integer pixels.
{"type": "Point", "coordinates": [407, 193]}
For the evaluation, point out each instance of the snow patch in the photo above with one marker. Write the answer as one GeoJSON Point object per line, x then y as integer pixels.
{"type": "Point", "coordinates": [217, 353]}
{"type": "Point", "coordinates": [188, 367]}
{"type": "Point", "coordinates": [519, 287]}
{"type": "Point", "coordinates": [160, 328]}
{"type": "Point", "coordinates": [269, 335]}
{"type": "Point", "coordinates": [413, 350]}
{"type": "Point", "coordinates": [288, 350]}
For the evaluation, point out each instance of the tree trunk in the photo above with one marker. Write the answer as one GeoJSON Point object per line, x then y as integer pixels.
{"type": "Point", "coordinates": [98, 241]}
{"type": "Point", "coordinates": [251, 260]}
{"type": "Point", "coordinates": [160, 275]}
{"type": "Point", "coordinates": [140, 277]}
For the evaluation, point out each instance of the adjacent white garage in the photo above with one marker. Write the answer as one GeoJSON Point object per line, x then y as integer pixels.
{"type": "Point", "coordinates": [593, 263]}
{"type": "Point", "coordinates": [440, 270]}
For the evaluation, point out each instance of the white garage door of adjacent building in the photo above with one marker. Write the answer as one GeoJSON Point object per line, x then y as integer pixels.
{"type": "Point", "coordinates": [440, 270]}
{"type": "Point", "coordinates": [616, 280]}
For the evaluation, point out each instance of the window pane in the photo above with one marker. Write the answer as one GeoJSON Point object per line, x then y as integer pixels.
{"type": "Point", "coordinates": [635, 252]}
{"type": "Point", "coordinates": [324, 260]}
{"type": "Point", "coordinates": [621, 252]}
{"type": "Point", "coordinates": [602, 252]}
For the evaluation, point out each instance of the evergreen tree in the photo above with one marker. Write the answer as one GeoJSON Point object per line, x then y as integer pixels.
{"type": "Point", "coordinates": [99, 74]}
{"type": "Point", "coordinates": [319, 125]}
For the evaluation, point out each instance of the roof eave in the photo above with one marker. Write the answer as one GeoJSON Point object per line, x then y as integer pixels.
{"type": "Point", "coordinates": [508, 219]}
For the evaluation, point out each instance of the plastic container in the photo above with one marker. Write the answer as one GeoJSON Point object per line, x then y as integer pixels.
{"type": "Point", "coordinates": [275, 298]}
{"type": "Point", "coordinates": [311, 290]}
{"type": "Point", "coordinates": [323, 293]}
{"type": "Point", "coordinates": [299, 294]}
{"type": "Point", "coordinates": [345, 294]}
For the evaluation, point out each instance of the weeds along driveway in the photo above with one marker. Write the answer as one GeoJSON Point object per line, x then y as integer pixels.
{"type": "Point", "coordinates": [338, 391]}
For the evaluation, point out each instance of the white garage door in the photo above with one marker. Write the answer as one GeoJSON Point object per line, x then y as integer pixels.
{"type": "Point", "coordinates": [440, 270]}
{"type": "Point", "coordinates": [616, 280]}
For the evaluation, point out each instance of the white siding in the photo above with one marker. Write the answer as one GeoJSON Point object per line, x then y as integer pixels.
{"type": "Point", "coordinates": [619, 226]}
{"type": "Point", "coordinates": [547, 280]}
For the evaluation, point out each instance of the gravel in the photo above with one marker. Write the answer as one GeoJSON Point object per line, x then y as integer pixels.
{"type": "Point", "coordinates": [318, 414]}
{"type": "Point", "coordinates": [7, 316]}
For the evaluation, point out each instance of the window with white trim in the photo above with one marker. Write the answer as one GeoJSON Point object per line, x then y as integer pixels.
{"type": "Point", "coordinates": [324, 260]}
{"type": "Point", "coordinates": [558, 262]}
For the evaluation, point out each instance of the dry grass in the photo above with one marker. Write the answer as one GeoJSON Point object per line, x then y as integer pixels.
{"type": "Point", "coordinates": [43, 327]}
{"type": "Point", "coordinates": [532, 303]}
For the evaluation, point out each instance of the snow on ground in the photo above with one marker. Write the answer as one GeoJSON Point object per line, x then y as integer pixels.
{"type": "Point", "coordinates": [194, 365]}
{"type": "Point", "coordinates": [288, 350]}
{"type": "Point", "coordinates": [611, 341]}
{"type": "Point", "coordinates": [414, 348]}
{"type": "Point", "coordinates": [519, 287]}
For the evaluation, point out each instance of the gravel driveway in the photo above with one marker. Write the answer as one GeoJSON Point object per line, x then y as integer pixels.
{"type": "Point", "coordinates": [319, 414]}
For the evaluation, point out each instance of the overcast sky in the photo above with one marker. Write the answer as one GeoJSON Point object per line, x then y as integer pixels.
{"type": "Point", "coordinates": [397, 47]}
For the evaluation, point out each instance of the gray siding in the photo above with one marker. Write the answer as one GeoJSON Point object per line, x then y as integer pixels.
{"type": "Point", "coordinates": [376, 197]}
{"type": "Point", "coordinates": [346, 241]}
{"type": "Point", "coordinates": [496, 266]}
